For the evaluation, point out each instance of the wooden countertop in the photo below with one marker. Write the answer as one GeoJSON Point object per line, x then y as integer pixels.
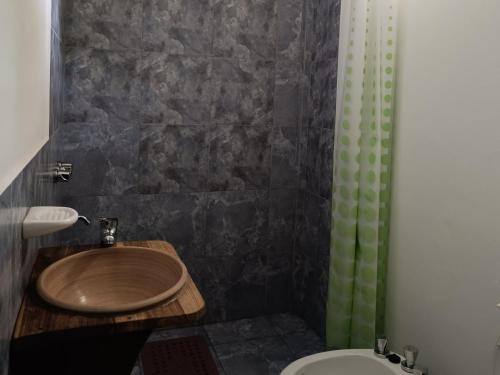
{"type": "Point", "coordinates": [36, 317]}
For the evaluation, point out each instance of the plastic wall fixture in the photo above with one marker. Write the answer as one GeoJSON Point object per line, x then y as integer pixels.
{"type": "Point", "coordinates": [45, 220]}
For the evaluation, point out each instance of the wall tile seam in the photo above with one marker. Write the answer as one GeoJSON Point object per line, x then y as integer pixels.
{"type": "Point", "coordinates": [166, 53]}
{"type": "Point", "coordinates": [191, 192]}
{"type": "Point", "coordinates": [275, 79]}
{"type": "Point", "coordinates": [181, 193]}
{"type": "Point", "coordinates": [301, 129]}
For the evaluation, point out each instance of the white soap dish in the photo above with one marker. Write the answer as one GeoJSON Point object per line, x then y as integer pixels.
{"type": "Point", "coordinates": [45, 220]}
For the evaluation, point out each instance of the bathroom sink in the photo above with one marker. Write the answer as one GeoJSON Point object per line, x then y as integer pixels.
{"type": "Point", "coordinates": [112, 280]}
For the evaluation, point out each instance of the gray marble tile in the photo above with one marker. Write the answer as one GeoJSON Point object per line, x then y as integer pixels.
{"type": "Point", "coordinates": [311, 257]}
{"type": "Point", "coordinates": [56, 18]}
{"type": "Point", "coordinates": [218, 363]}
{"type": "Point", "coordinates": [316, 316]}
{"type": "Point", "coordinates": [287, 99]}
{"type": "Point", "coordinates": [123, 207]}
{"type": "Point", "coordinates": [261, 345]}
{"type": "Point", "coordinates": [245, 28]}
{"type": "Point", "coordinates": [56, 82]}
{"type": "Point", "coordinates": [312, 160]}
{"type": "Point", "coordinates": [178, 26]}
{"type": "Point", "coordinates": [28, 189]}
{"type": "Point", "coordinates": [289, 36]}
{"type": "Point", "coordinates": [176, 89]}
{"type": "Point", "coordinates": [6, 248]}
{"type": "Point", "coordinates": [326, 163]}
{"type": "Point", "coordinates": [324, 228]}
{"type": "Point", "coordinates": [289, 70]}
{"type": "Point", "coordinates": [282, 208]}
{"type": "Point", "coordinates": [173, 217]}
{"type": "Point", "coordinates": [104, 156]}
{"type": "Point", "coordinates": [287, 323]}
{"type": "Point", "coordinates": [304, 279]}
{"type": "Point", "coordinates": [176, 218]}
{"type": "Point", "coordinates": [103, 24]}
{"type": "Point", "coordinates": [311, 260]}
{"type": "Point", "coordinates": [234, 287]}
{"type": "Point", "coordinates": [324, 92]}
{"type": "Point", "coordinates": [169, 334]}
{"type": "Point", "coordinates": [304, 343]}
{"type": "Point", "coordinates": [17, 255]}
{"type": "Point", "coordinates": [240, 330]}
{"type": "Point", "coordinates": [259, 357]}
{"type": "Point", "coordinates": [173, 159]}
{"type": "Point", "coordinates": [205, 125]}
{"type": "Point", "coordinates": [101, 86]}
{"type": "Point", "coordinates": [237, 222]}
{"type": "Point", "coordinates": [240, 158]}
{"type": "Point", "coordinates": [212, 276]}
{"type": "Point", "coordinates": [303, 137]}
{"type": "Point", "coordinates": [327, 27]}
{"type": "Point", "coordinates": [313, 208]}
{"type": "Point", "coordinates": [278, 268]}
{"type": "Point", "coordinates": [310, 14]}
{"type": "Point", "coordinates": [245, 295]}
{"type": "Point", "coordinates": [306, 108]}
{"type": "Point", "coordinates": [306, 256]}
{"type": "Point", "coordinates": [91, 72]}
{"type": "Point", "coordinates": [243, 92]}
{"type": "Point", "coordinates": [98, 109]}
{"type": "Point", "coordinates": [284, 167]}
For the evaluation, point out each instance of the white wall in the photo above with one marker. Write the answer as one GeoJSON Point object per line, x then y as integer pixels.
{"type": "Point", "coordinates": [444, 278]}
{"type": "Point", "coordinates": [24, 83]}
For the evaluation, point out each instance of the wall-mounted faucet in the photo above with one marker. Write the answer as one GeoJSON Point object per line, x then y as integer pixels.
{"type": "Point", "coordinates": [62, 171]}
{"type": "Point", "coordinates": [57, 172]}
{"type": "Point", "coordinates": [109, 228]}
{"type": "Point", "coordinates": [84, 219]}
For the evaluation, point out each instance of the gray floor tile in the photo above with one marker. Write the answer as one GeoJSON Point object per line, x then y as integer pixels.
{"type": "Point", "coordinates": [304, 343]}
{"type": "Point", "coordinates": [287, 323]}
{"type": "Point", "coordinates": [266, 356]}
{"type": "Point", "coordinates": [258, 346]}
{"type": "Point", "coordinates": [223, 333]}
{"type": "Point", "coordinates": [217, 361]}
{"type": "Point", "coordinates": [168, 334]}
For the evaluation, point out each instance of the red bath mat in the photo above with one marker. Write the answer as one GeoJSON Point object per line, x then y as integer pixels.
{"type": "Point", "coordinates": [182, 356]}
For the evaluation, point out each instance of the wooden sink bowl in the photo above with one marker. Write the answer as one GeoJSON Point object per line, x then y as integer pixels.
{"type": "Point", "coordinates": [112, 280]}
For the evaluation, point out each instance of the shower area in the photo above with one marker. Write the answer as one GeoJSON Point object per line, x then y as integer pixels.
{"type": "Point", "coordinates": [209, 124]}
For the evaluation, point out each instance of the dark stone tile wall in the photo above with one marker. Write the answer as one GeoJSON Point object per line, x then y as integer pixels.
{"type": "Point", "coordinates": [27, 190]}
{"type": "Point", "coordinates": [182, 119]}
{"type": "Point", "coordinates": [311, 253]}
{"type": "Point", "coordinates": [207, 123]}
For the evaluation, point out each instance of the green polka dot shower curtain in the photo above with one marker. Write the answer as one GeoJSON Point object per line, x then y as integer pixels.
{"type": "Point", "coordinates": [362, 173]}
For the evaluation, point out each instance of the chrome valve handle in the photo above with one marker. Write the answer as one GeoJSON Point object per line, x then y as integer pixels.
{"type": "Point", "coordinates": [380, 349]}
{"type": "Point", "coordinates": [410, 353]}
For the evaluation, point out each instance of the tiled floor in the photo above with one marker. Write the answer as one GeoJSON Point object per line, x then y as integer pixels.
{"type": "Point", "coordinates": [259, 346]}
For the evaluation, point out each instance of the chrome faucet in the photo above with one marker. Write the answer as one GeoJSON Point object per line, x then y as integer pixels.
{"type": "Point", "coordinates": [84, 219]}
{"type": "Point", "coordinates": [381, 348]}
{"type": "Point", "coordinates": [410, 353]}
{"type": "Point", "coordinates": [109, 228]}
{"type": "Point", "coordinates": [62, 171]}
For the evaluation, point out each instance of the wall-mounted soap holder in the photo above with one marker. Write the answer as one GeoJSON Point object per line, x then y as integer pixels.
{"type": "Point", "coordinates": [46, 220]}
